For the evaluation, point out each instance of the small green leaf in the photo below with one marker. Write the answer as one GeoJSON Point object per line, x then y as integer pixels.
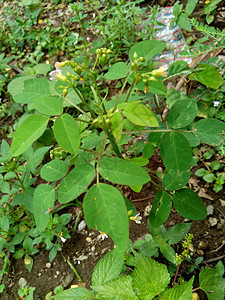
{"type": "Point", "coordinates": [28, 132]}
{"type": "Point", "coordinates": [108, 268]}
{"type": "Point", "coordinates": [120, 171]}
{"type": "Point", "coordinates": [148, 150]}
{"type": "Point", "coordinates": [105, 210]}
{"type": "Point", "coordinates": [5, 152]}
{"type": "Point", "coordinates": [176, 233]}
{"type": "Point", "coordinates": [168, 252]}
{"type": "Point", "coordinates": [43, 200]}
{"type": "Point", "coordinates": [77, 293]}
{"type": "Point", "coordinates": [50, 106]}
{"type": "Point", "coordinates": [139, 114]}
{"type": "Point", "coordinates": [117, 71]}
{"type": "Point", "coordinates": [190, 6]}
{"type": "Point", "coordinates": [147, 49]}
{"type": "Point", "coordinates": [210, 77]}
{"type": "Point", "coordinates": [184, 22]}
{"type": "Point", "coordinates": [54, 170]}
{"type": "Point", "coordinates": [28, 262]}
{"type": "Point", "coordinates": [209, 177]}
{"type": "Point", "coordinates": [189, 205]}
{"type": "Point", "coordinates": [212, 284]}
{"type": "Point", "coordinates": [201, 172]}
{"type": "Point", "coordinates": [117, 125]}
{"type": "Point", "coordinates": [176, 179]}
{"type": "Point", "coordinates": [67, 133]}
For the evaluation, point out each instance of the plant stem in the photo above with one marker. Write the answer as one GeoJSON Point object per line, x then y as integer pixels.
{"type": "Point", "coordinates": [130, 90]}
{"type": "Point", "coordinates": [20, 181]}
{"type": "Point", "coordinates": [80, 109]}
{"type": "Point", "coordinates": [84, 102]}
{"type": "Point", "coordinates": [74, 270]}
{"type": "Point", "coordinates": [175, 277]}
{"type": "Point", "coordinates": [99, 156]}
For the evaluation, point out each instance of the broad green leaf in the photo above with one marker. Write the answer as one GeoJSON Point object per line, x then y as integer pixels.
{"type": "Point", "coordinates": [28, 132]}
{"type": "Point", "coordinates": [176, 151]}
{"type": "Point", "coordinates": [147, 49]}
{"type": "Point", "coordinates": [182, 291]}
{"type": "Point", "coordinates": [189, 205]}
{"type": "Point", "coordinates": [210, 77]}
{"type": "Point", "coordinates": [121, 171]}
{"type": "Point", "coordinates": [117, 289]}
{"type": "Point", "coordinates": [140, 161]}
{"type": "Point", "coordinates": [177, 9]}
{"type": "Point", "coordinates": [161, 208]}
{"type": "Point", "coordinates": [33, 89]}
{"type": "Point", "coordinates": [174, 96]}
{"type": "Point", "coordinates": [177, 232]}
{"type": "Point", "coordinates": [117, 125]}
{"type": "Point", "coordinates": [176, 179]}
{"type": "Point", "coordinates": [67, 133]}
{"type": "Point", "coordinates": [105, 210]}
{"type": "Point", "coordinates": [54, 170]}
{"type": "Point", "coordinates": [76, 182]}
{"type": "Point", "coordinates": [51, 106]}
{"type": "Point", "coordinates": [182, 113]}
{"type": "Point", "coordinates": [190, 6]}
{"type": "Point", "coordinates": [209, 177]}
{"type": "Point", "coordinates": [148, 150]}
{"type": "Point", "coordinates": [107, 268]}
{"type": "Point", "coordinates": [42, 69]}
{"type": "Point", "coordinates": [192, 139]}
{"type": "Point", "coordinates": [210, 131]}
{"type": "Point", "coordinates": [139, 114]}
{"type": "Point", "coordinates": [117, 71]}
{"type": "Point", "coordinates": [212, 284]}
{"type": "Point", "coordinates": [184, 22]}
{"type": "Point", "coordinates": [43, 200]}
{"type": "Point", "coordinates": [16, 86]}
{"type": "Point", "coordinates": [77, 293]}
{"type": "Point", "coordinates": [167, 251]}
{"type": "Point", "coordinates": [149, 277]}
{"type": "Point", "coordinates": [36, 158]}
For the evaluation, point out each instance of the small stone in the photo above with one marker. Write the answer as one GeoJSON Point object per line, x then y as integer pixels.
{"type": "Point", "coordinates": [147, 210]}
{"type": "Point", "coordinates": [212, 221]}
{"type": "Point", "coordinates": [55, 276]}
{"type": "Point", "coordinates": [210, 210]}
{"type": "Point", "coordinates": [48, 265]}
{"type": "Point", "coordinates": [81, 226]}
{"type": "Point", "coordinates": [93, 248]}
{"type": "Point", "coordinates": [82, 257]}
{"type": "Point", "coordinates": [57, 272]}
{"type": "Point", "coordinates": [222, 202]}
{"type": "Point", "coordinates": [200, 252]}
{"type": "Point", "coordinates": [88, 239]}
{"type": "Point", "coordinates": [39, 274]}
{"type": "Point", "coordinates": [22, 283]}
{"type": "Point", "coordinates": [219, 226]}
{"type": "Point", "coordinates": [67, 280]}
{"type": "Point", "coordinates": [202, 245]}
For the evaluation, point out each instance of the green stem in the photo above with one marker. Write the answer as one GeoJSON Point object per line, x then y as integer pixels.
{"type": "Point", "coordinates": [74, 270]}
{"type": "Point", "coordinates": [99, 156]}
{"type": "Point", "coordinates": [84, 102]}
{"type": "Point", "coordinates": [21, 183]}
{"type": "Point", "coordinates": [121, 91]}
{"type": "Point", "coordinates": [80, 109]}
{"type": "Point", "coordinates": [130, 90]}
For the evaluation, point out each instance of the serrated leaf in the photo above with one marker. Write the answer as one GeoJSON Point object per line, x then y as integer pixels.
{"type": "Point", "coordinates": [149, 277]}
{"type": "Point", "coordinates": [176, 151]}
{"type": "Point", "coordinates": [189, 205]}
{"type": "Point", "coordinates": [120, 171]}
{"type": "Point", "coordinates": [108, 268]}
{"type": "Point", "coordinates": [176, 233]}
{"type": "Point", "coordinates": [212, 284]}
{"type": "Point", "coordinates": [67, 133]}
{"type": "Point", "coordinates": [210, 131]}
{"type": "Point", "coordinates": [105, 210]}
{"type": "Point", "coordinates": [182, 291]}
{"type": "Point", "coordinates": [117, 71]}
{"type": "Point", "coordinates": [54, 170]}
{"type": "Point", "coordinates": [139, 114]}
{"type": "Point", "coordinates": [28, 132]}
{"type": "Point", "coordinates": [147, 49]}
{"type": "Point", "coordinates": [50, 106]}
{"type": "Point", "coordinates": [43, 200]}
{"type": "Point", "coordinates": [161, 208]}
{"type": "Point", "coordinates": [78, 293]}
{"type": "Point", "coordinates": [76, 182]}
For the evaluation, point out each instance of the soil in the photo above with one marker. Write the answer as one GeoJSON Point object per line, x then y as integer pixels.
{"type": "Point", "coordinates": [85, 248]}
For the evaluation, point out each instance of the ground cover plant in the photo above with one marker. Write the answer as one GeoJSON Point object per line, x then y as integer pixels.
{"type": "Point", "coordinates": [78, 144]}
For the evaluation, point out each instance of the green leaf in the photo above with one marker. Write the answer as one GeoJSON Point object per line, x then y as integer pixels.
{"type": "Point", "coordinates": [28, 262]}
{"type": "Point", "coordinates": [42, 69]}
{"type": "Point", "coordinates": [201, 172]}
{"type": "Point", "coordinates": [28, 244]}
{"type": "Point", "coordinates": [149, 277]}
{"type": "Point", "coordinates": [140, 161]}
{"type": "Point", "coordinates": [182, 113]}
{"type": "Point", "coordinates": [192, 139]}
{"type": "Point", "coordinates": [209, 19]}
{"type": "Point", "coordinates": [210, 131]}
{"type": "Point", "coordinates": [176, 233]}
{"type": "Point", "coordinates": [4, 223]}
{"type": "Point", "coordinates": [107, 268]}
{"type": "Point", "coordinates": [105, 210]}
{"type": "Point", "coordinates": [54, 170]}
{"type": "Point", "coordinates": [121, 171]}
{"type": "Point", "coordinates": [33, 89]}
{"type": "Point", "coordinates": [190, 6]}
{"type": "Point", "coordinates": [184, 22]}
{"type": "Point", "coordinates": [147, 49]}
{"type": "Point", "coordinates": [118, 288]}
{"type": "Point", "coordinates": [209, 177]}
{"type": "Point", "coordinates": [50, 106]}
{"type": "Point", "coordinates": [167, 251]}
{"type": "Point", "coordinates": [117, 71]}
{"type": "Point", "coordinates": [67, 133]}
{"type": "Point", "coordinates": [210, 77]}
{"type": "Point", "coordinates": [117, 125]}
{"type": "Point", "coordinates": [161, 208]}
{"type": "Point", "coordinates": [77, 293]}
{"type": "Point", "coordinates": [43, 200]}
{"type": "Point", "coordinates": [176, 179]}
{"type": "Point", "coordinates": [36, 158]}
{"type": "Point", "coordinates": [182, 291]}
{"type": "Point", "coordinates": [16, 86]}
{"type": "Point", "coordinates": [5, 152]}
{"type": "Point", "coordinates": [220, 268]}
{"type": "Point", "coordinates": [176, 151]}
{"type": "Point", "coordinates": [139, 114]}
{"type": "Point", "coordinates": [189, 205]}
{"type": "Point", "coordinates": [28, 132]}
{"type": "Point", "coordinates": [148, 150]}
{"type": "Point", "coordinates": [212, 284]}
{"type": "Point", "coordinates": [177, 9]}
{"type": "Point", "coordinates": [174, 96]}
{"type": "Point", "coordinates": [76, 182]}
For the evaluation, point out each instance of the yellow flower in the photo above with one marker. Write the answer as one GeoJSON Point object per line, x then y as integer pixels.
{"type": "Point", "coordinates": [161, 72]}
{"type": "Point", "coordinates": [207, 1]}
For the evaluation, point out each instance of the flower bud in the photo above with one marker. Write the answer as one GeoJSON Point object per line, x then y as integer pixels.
{"type": "Point", "coordinates": [135, 55]}
{"type": "Point", "coordinates": [141, 59]}
{"type": "Point", "coordinates": [161, 72]}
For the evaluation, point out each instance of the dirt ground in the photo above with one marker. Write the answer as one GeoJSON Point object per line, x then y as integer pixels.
{"type": "Point", "coordinates": [84, 249]}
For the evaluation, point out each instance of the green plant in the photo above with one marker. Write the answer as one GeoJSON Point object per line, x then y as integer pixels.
{"type": "Point", "coordinates": [210, 9]}
{"type": "Point", "coordinates": [148, 280]}
{"type": "Point", "coordinates": [26, 293]}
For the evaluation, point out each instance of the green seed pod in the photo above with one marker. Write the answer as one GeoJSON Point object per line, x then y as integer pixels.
{"type": "Point", "coordinates": [145, 81]}
{"type": "Point", "coordinates": [141, 59]}
{"type": "Point", "coordinates": [133, 65]}
{"type": "Point", "coordinates": [135, 55]}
